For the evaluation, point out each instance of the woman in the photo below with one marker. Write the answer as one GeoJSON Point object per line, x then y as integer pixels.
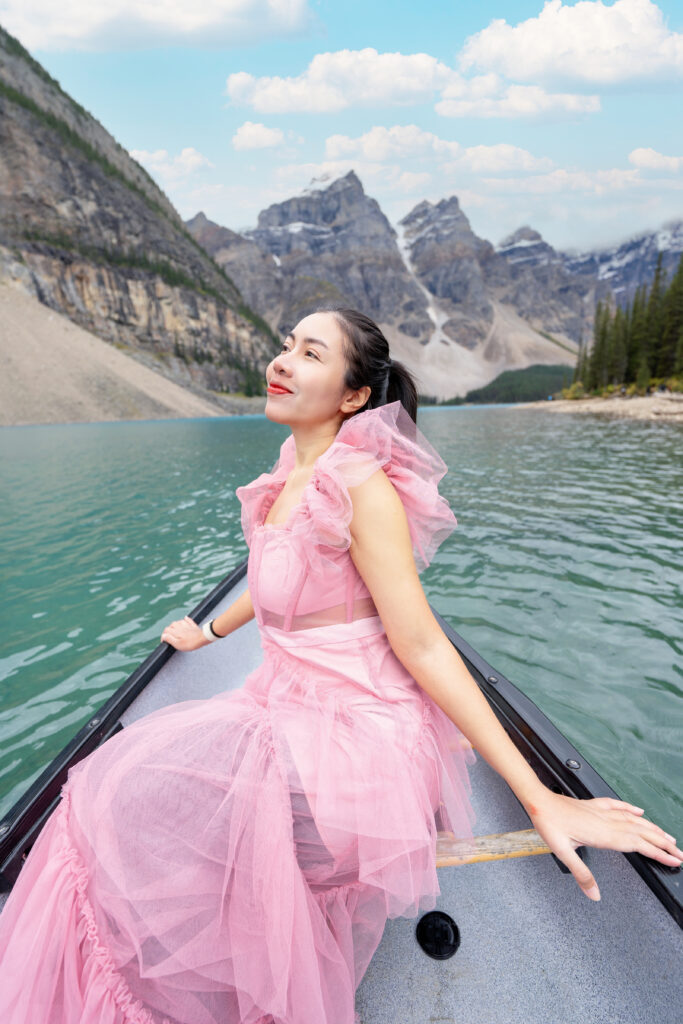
{"type": "Point", "coordinates": [234, 860]}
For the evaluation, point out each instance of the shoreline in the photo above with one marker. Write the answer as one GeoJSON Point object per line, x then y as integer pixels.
{"type": "Point", "coordinates": [57, 373]}
{"type": "Point", "coordinates": [663, 407]}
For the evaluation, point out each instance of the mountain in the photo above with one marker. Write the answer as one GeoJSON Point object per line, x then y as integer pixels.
{"type": "Point", "coordinates": [533, 277]}
{"type": "Point", "coordinates": [85, 229]}
{"type": "Point", "coordinates": [457, 310]}
{"type": "Point", "coordinates": [432, 284]}
{"type": "Point", "coordinates": [450, 262]}
{"type": "Point", "coordinates": [335, 244]}
{"type": "Point", "coordinates": [622, 268]}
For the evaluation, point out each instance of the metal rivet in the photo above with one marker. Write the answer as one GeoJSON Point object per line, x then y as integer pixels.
{"type": "Point", "coordinates": [4, 829]}
{"type": "Point", "coordinates": [94, 721]}
{"type": "Point", "coordinates": [492, 679]}
{"type": "Point", "coordinates": [572, 763]}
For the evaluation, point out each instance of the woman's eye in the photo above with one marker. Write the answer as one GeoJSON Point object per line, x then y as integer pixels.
{"type": "Point", "coordinates": [312, 353]}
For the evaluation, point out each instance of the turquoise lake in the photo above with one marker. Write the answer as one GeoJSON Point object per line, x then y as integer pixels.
{"type": "Point", "coordinates": [565, 572]}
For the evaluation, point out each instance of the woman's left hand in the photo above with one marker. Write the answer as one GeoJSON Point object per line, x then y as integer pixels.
{"type": "Point", "coordinates": [565, 823]}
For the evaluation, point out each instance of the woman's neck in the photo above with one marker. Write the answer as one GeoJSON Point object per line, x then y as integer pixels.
{"type": "Point", "coordinates": [310, 442]}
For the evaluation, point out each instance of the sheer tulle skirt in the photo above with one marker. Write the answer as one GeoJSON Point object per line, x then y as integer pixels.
{"type": "Point", "coordinates": [234, 860]}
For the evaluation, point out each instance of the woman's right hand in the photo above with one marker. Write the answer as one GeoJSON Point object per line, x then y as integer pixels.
{"type": "Point", "coordinates": [184, 635]}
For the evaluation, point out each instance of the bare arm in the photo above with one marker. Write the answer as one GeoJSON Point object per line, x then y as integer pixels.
{"type": "Point", "coordinates": [381, 549]}
{"type": "Point", "coordinates": [186, 635]}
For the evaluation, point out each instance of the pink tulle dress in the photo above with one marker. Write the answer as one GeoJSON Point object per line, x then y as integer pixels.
{"type": "Point", "coordinates": [234, 860]}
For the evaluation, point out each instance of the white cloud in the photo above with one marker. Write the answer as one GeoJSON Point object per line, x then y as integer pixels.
{"type": "Point", "coordinates": [650, 160]}
{"type": "Point", "coordinates": [171, 169]}
{"type": "Point", "coordinates": [410, 142]}
{"type": "Point", "coordinates": [336, 81]}
{"type": "Point", "coordinates": [515, 101]}
{"type": "Point", "coordinates": [348, 78]}
{"type": "Point", "coordinates": [122, 24]}
{"type": "Point", "coordinates": [382, 143]}
{"type": "Point", "coordinates": [502, 157]}
{"type": "Point", "coordinates": [558, 181]}
{"type": "Point", "coordinates": [256, 136]}
{"type": "Point", "coordinates": [412, 181]}
{"type": "Point", "coordinates": [586, 42]}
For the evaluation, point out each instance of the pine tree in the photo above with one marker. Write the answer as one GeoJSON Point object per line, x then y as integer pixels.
{"type": "Point", "coordinates": [678, 357]}
{"type": "Point", "coordinates": [654, 319]}
{"type": "Point", "coordinates": [643, 376]}
{"type": "Point", "coordinates": [637, 334]}
{"type": "Point", "coordinates": [579, 363]}
{"type": "Point", "coordinates": [597, 370]}
{"type": "Point", "coordinates": [617, 348]}
{"type": "Point", "coordinates": [672, 323]}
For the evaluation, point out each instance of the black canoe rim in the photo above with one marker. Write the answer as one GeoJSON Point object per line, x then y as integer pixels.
{"type": "Point", "coordinates": [557, 762]}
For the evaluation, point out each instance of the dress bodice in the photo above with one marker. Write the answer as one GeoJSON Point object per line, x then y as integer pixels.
{"type": "Point", "coordinates": [301, 575]}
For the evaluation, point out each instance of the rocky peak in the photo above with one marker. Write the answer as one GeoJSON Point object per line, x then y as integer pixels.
{"type": "Point", "coordinates": [527, 246]}
{"type": "Point", "coordinates": [530, 276]}
{"type": "Point", "coordinates": [521, 235]}
{"type": "Point", "coordinates": [326, 182]}
{"type": "Point", "coordinates": [210, 235]}
{"type": "Point", "coordinates": [329, 244]}
{"type": "Point", "coordinates": [447, 258]}
{"type": "Point", "coordinates": [439, 223]}
{"type": "Point", "coordinates": [332, 218]}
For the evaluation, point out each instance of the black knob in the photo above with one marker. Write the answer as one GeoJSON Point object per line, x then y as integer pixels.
{"type": "Point", "coordinates": [438, 935]}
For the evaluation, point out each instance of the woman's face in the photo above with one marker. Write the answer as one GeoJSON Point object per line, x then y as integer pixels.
{"type": "Point", "coordinates": [306, 378]}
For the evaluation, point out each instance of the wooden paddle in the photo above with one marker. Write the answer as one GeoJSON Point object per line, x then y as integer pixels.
{"type": "Point", "coordinates": [451, 852]}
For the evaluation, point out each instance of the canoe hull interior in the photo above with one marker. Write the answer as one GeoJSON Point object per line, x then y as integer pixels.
{"type": "Point", "coordinates": [533, 948]}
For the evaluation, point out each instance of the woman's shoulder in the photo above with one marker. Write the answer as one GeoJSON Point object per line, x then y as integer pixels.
{"type": "Point", "coordinates": [377, 455]}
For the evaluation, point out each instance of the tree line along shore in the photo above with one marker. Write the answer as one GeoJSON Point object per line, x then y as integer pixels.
{"type": "Point", "coordinates": [638, 348]}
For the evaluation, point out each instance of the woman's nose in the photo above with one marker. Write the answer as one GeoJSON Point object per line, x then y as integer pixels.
{"type": "Point", "coordinates": [280, 364]}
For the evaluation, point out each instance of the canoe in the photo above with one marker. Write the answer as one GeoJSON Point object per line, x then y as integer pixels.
{"type": "Point", "coordinates": [526, 944]}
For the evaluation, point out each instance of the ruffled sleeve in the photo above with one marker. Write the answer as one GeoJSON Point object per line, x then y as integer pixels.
{"type": "Point", "coordinates": [386, 438]}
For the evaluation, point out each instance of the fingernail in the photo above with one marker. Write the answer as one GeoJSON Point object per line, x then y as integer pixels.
{"type": "Point", "coordinates": [593, 893]}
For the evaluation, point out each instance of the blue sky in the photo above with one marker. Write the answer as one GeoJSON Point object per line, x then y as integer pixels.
{"type": "Point", "coordinates": [562, 115]}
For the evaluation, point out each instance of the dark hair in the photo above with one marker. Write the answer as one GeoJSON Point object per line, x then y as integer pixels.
{"type": "Point", "coordinates": [368, 362]}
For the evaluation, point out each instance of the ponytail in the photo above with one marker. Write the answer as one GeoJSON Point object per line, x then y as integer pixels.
{"type": "Point", "coordinates": [401, 388]}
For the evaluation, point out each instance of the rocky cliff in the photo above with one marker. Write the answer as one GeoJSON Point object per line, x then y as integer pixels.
{"type": "Point", "coordinates": [85, 229]}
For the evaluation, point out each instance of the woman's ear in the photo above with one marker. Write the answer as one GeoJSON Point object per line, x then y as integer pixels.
{"type": "Point", "coordinates": [356, 399]}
